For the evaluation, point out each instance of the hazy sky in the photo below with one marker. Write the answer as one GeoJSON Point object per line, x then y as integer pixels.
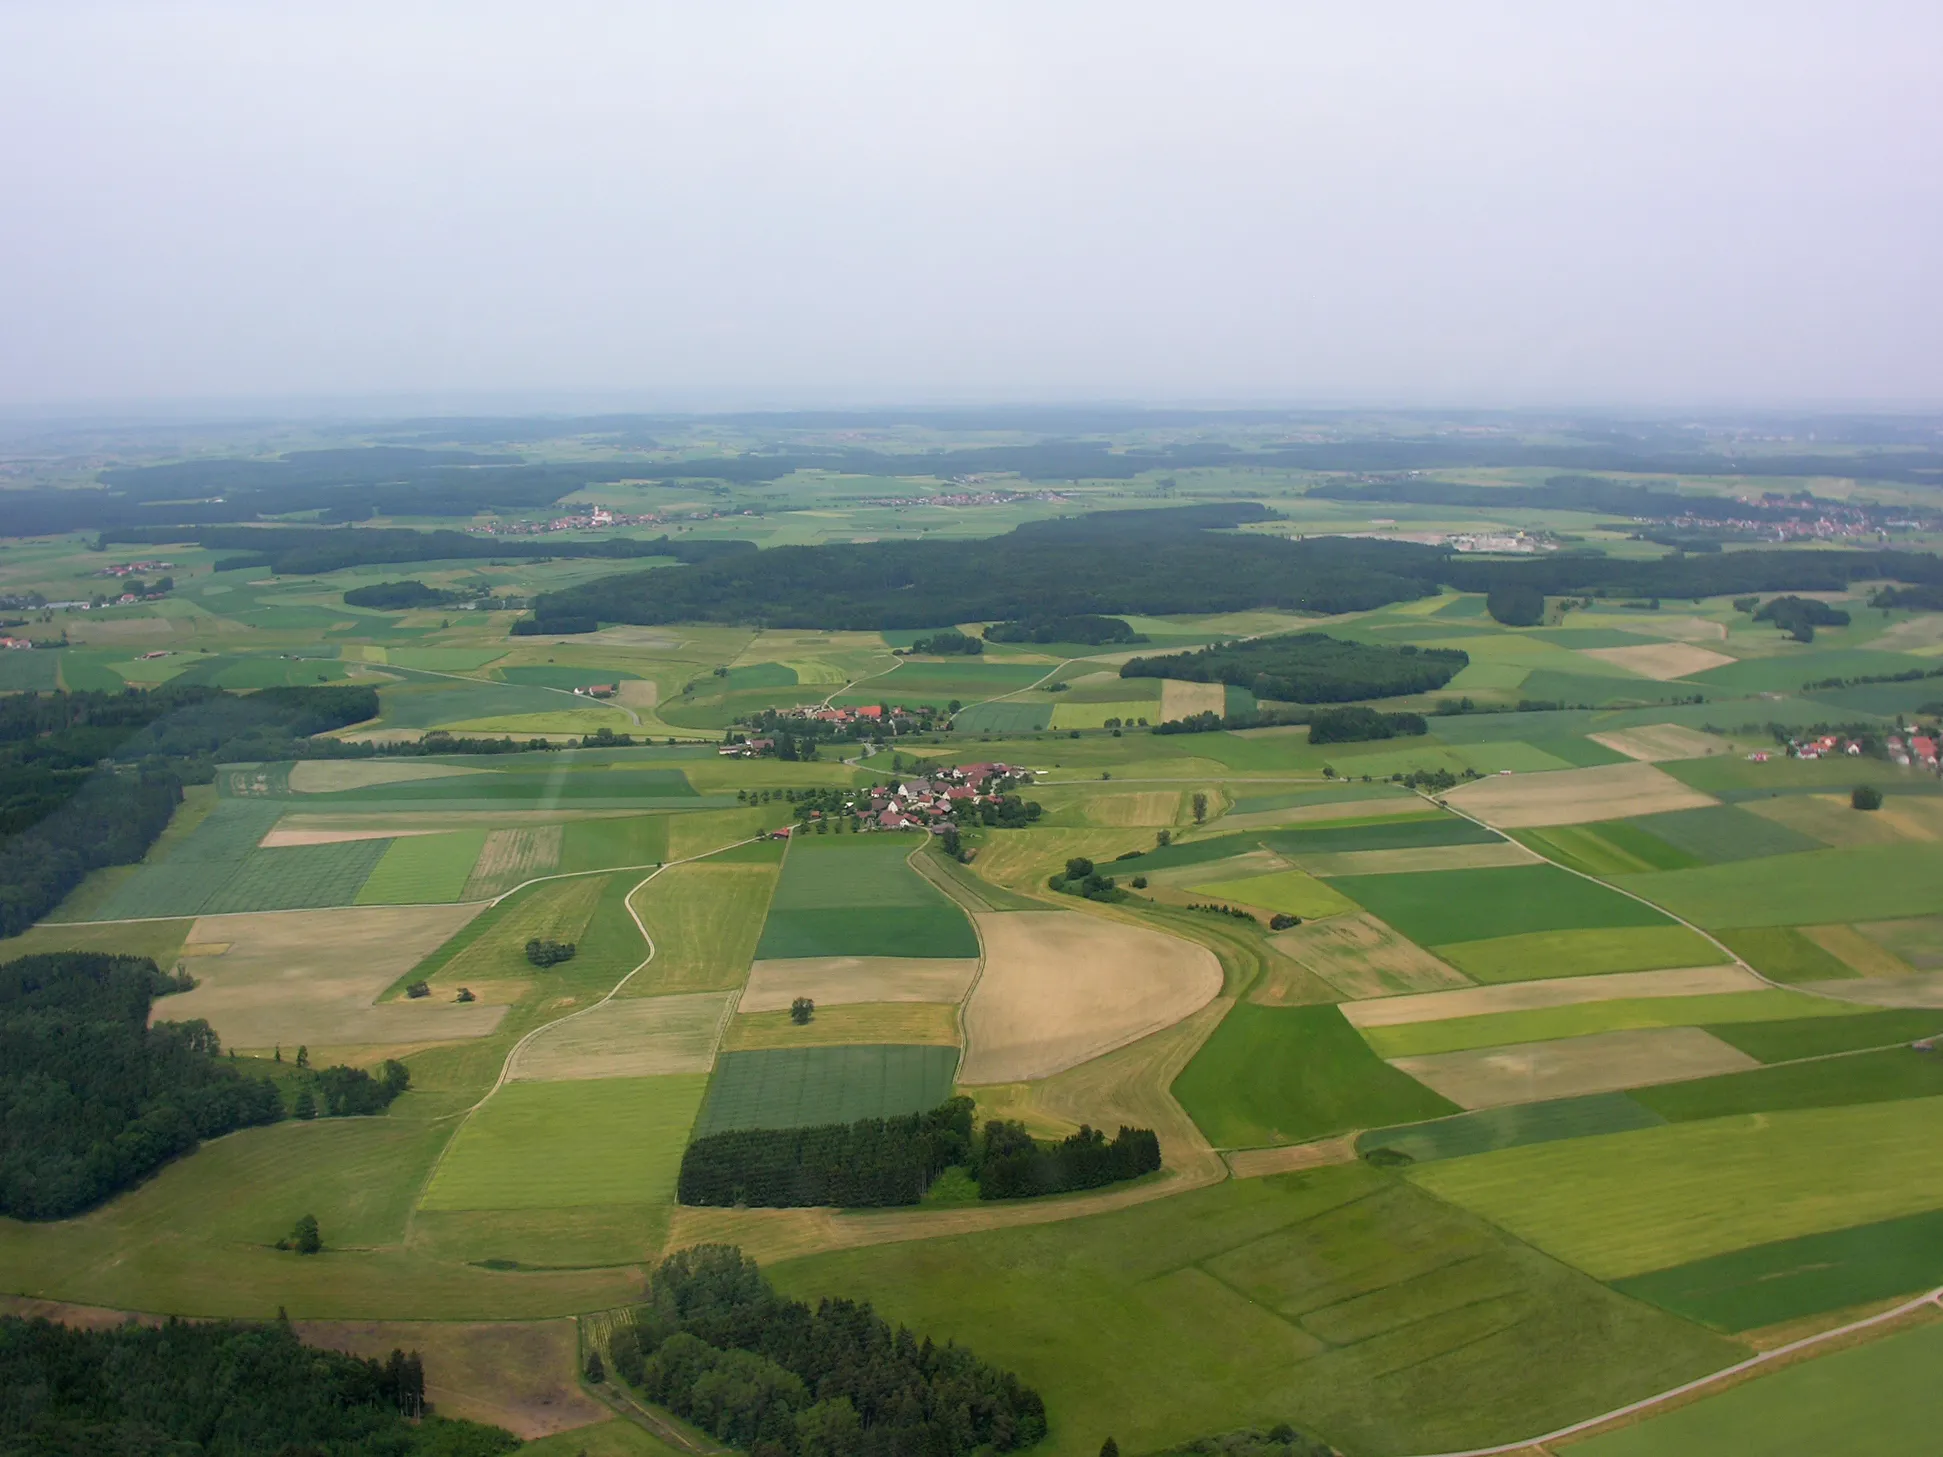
{"type": "Point", "coordinates": [729, 204]}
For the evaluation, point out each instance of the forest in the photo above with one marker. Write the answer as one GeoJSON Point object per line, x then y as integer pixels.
{"type": "Point", "coordinates": [718, 1347]}
{"type": "Point", "coordinates": [1084, 628]}
{"type": "Point", "coordinates": [221, 1388]}
{"type": "Point", "coordinates": [96, 1099]}
{"type": "Point", "coordinates": [1308, 667]}
{"type": "Point", "coordinates": [402, 596]}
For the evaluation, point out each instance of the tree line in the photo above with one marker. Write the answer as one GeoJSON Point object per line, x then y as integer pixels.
{"type": "Point", "coordinates": [716, 1345]}
{"type": "Point", "coordinates": [222, 1388]}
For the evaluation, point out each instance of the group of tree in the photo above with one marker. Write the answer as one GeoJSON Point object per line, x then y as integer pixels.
{"type": "Point", "coordinates": [1281, 1440]}
{"type": "Point", "coordinates": [1356, 723]}
{"type": "Point", "coordinates": [1082, 878]}
{"type": "Point", "coordinates": [1918, 599]}
{"type": "Point", "coordinates": [717, 1346]}
{"type": "Point", "coordinates": [544, 953]}
{"type": "Point", "coordinates": [1800, 616]}
{"type": "Point", "coordinates": [1087, 628]}
{"type": "Point", "coordinates": [948, 643]}
{"type": "Point", "coordinates": [221, 1388]}
{"type": "Point", "coordinates": [1309, 667]}
{"type": "Point", "coordinates": [878, 1162]}
{"type": "Point", "coordinates": [1515, 604]}
{"type": "Point", "coordinates": [404, 596]}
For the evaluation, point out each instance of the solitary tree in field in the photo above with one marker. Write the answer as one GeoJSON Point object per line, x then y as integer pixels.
{"type": "Point", "coordinates": [1164, 837]}
{"type": "Point", "coordinates": [1200, 808]}
{"type": "Point", "coordinates": [801, 1010]}
{"type": "Point", "coordinates": [1866, 796]}
{"type": "Point", "coordinates": [303, 1056]}
{"type": "Point", "coordinates": [1109, 1448]}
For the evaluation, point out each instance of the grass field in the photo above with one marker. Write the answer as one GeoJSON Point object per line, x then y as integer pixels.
{"type": "Point", "coordinates": [493, 947]}
{"type": "Point", "coordinates": [704, 918]}
{"type": "Point", "coordinates": [1632, 1202]}
{"type": "Point", "coordinates": [797, 1087]}
{"type": "Point", "coordinates": [909, 1024]}
{"type": "Point", "coordinates": [627, 1037]}
{"type": "Point", "coordinates": [557, 1145]}
{"type": "Point", "coordinates": [299, 877]}
{"type": "Point", "coordinates": [1870, 883]}
{"type": "Point", "coordinates": [1724, 832]}
{"type": "Point", "coordinates": [1491, 1129]}
{"type": "Point", "coordinates": [1359, 956]}
{"type": "Point", "coordinates": [1499, 1029]}
{"type": "Point", "coordinates": [1289, 1074]}
{"type": "Point", "coordinates": [1339, 1299]}
{"type": "Point", "coordinates": [1827, 1082]}
{"type": "Point", "coordinates": [1579, 953]}
{"type": "Point", "coordinates": [1792, 1278]}
{"type": "Point", "coordinates": [854, 895]}
{"type": "Point", "coordinates": [180, 881]}
{"type": "Point", "coordinates": [1388, 833]}
{"type": "Point", "coordinates": [1436, 908]}
{"type": "Point", "coordinates": [423, 868]}
{"type": "Point", "coordinates": [1782, 1041]}
{"type": "Point", "coordinates": [1004, 717]}
{"type": "Point", "coordinates": [1572, 1067]}
{"type": "Point", "coordinates": [598, 844]}
{"type": "Point", "coordinates": [1882, 1398]}
{"type": "Point", "coordinates": [1612, 847]}
{"type": "Point", "coordinates": [1781, 953]}
{"type": "Point", "coordinates": [1293, 891]}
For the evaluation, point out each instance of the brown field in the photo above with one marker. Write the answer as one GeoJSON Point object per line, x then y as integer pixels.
{"type": "Point", "coordinates": [1259, 1163]}
{"type": "Point", "coordinates": [1574, 796]}
{"type": "Point", "coordinates": [1917, 940]}
{"type": "Point", "coordinates": [638, 693]}
{"type": "Point", "coordinates": [1184, 700]}
{"type": "Point", "coordinates": [837, 980]}
{"type": "Point", "coordinates": [1664, 661]}
{"type": "Point", "coordinates": [430, 822]}
{"type": "Point", "coordinates": [313, 977]}
{"type": "Point", "coordinates": [1314, 814]}
{"type": "Point", "coordinates": [1604, 1062]}
{"type": "Point", "coordinates": [512, 857]}
{"type": "Point", "coordinates": [1526, 996]}
{"type": "Point", "coordinates": [1924, 989]}
{"type": "Point", "coordinates": [1141, 807]}
{"type": "Point", "coordinates": [1831, 819]}
{"type": "Point", "coordinates": [1361, 956]}
{"type": "Point", "coordinates": [1656, 742]}
{"type": "Point", "coordinates": [520, 1375]}
{"type": "Point", "coordinates": [1429, 857]}
{"type": "Point", "coordinates": [1867, 957]}
{"type": "Point", "coordinates": [326, 776]}
{"type": "Point", "coordinates": [913, 1023]}
{"type": "Point", "coordinates": [627, 1038]}
{"type": "Point", "coordinates": [1061, 987]}
{"type": "Point", "coordinates": [279, 836]}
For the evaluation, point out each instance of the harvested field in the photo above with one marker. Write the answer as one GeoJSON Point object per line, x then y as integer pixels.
{"type": "Point", "coordinates": [1184, 700]}
{"type": "Point", "coordinates": [513, 857]}
{"type": "Point", "coordinates": [1513, 1126]}
{"type": "Point", "coordinates": [797, 1087]}
{"type": "Point", "coordinates": [1547, 1024]}
{"type": "Point", "coordinates": [314, 976]}
{"type": "Point", "coordinates": [520, 1375]}
{"type": "Point", "coordinates": [1831, 820]}
{"type": "Point", "coordinates": [1918, 940]}
{"type": "Point", "coordinates": [1660, 741]}
{"type": "Point", "coordinates": [1925, 989]}
{"type": "Point", "coordinates": [704, 919]}
{"type": "Point", "coordinates": [282, 837]}
{"type": "Point", "coordinates": [329, 776]}
{"type": "Point", "coordinates": [1141, 807]}
{"type": "Point", "coordinates": [627, 1038]}
{"type": "Point", "coordinates": [1260, 1163]}
{"type": "Point", "coordinates": [1603, 1062]}
{"type": "Point", "coordinates": [1321, 812]}
{"type": "Point", "coordinates": [1633, 1202]}
{"type": "Point", "coordinates": [1575, 796]}
{"type": "Point", "coordinates": [1060, 987]}
{"type": "Point", "coordinates": [837, 980]}
{"type": "Point", "coordinates": [1291, 891]}
{"type": "Point", "coordinates": [905, 1024]}
{"type": "Point", "coordinates": [1530, 995]}
{"type": "Point", "coordinates": [1361, 957]}
{"type": "Point", "coordinates": [1398, 862]}
{"type": "Point", "coordinates": [1664, 661]}
{"type": "Point", "coordinates": [1548, 954]}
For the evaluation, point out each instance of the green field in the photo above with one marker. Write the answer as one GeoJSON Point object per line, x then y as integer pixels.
{"type": "Point", "coordinates": [854, 895]}
{"type": "Point", "coordinates": [1824, 1082]}
{"type": "Point", "coordinates": [1284, 890]}
{"type": "Point", "coordinates": [800, 1087]}
{"type": "Point", "coordinates": [1783, 1041]}
{"type": "Point", "coordinates": [1882, 1399]}
{"type": "Point", "coordinates": [1274, 1075]}
{"type": "Point", "coordinates": [1868, 883]}
{"type": "Point", "coordinates": [1545, 954]}
{"type": "Point", "coordinates": [1435, 907]}
{"type": "Point", "coordinates": [1632, 1202]}
{"type": "Point", "coordinates": [1792, 1278]}
{"type": "Point", "coordinates": [565, 1144]}
{"type": "Point", "coordinates": [179, 882]}
{"type": "Point", "coordinates": [1724, 832]}
{"type": "Point", "coordinates": [297, 877]}
{"type": "Point", "coordinates": [1340, 1299]}
{"type": "Point", "coordinates": [1004, 718]}
{"type": "Point", "coordinates": [1490, 1129]}
{"type": "Point", "coordinates": [1390, 833]}
{"type": "Point", "coordinates": [597, 844]}
{"type": "Point", "coordinates": [1497, 1029]}
{"type": "Point", "coordinates": [1615, 847]}
{"type": "Point", "coordinates": [1781, 953]}
{"type": "Point", "coordinates": [419, 869]}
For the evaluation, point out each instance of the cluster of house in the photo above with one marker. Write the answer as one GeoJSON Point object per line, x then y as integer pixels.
{"type": "Point", "coordinates": [1825, 747]}
{"type": "Point", "coordinates": [593, 519]}
{"type": "Point", "coordinates": [132, 569]}
{"type": "Point", "coordinates": [8, 643]}
{"type": "Point", "coordinates": [598, 690]}
{"type": "Point", "coordinates": [1919, 749]}
{"type": "Point", "coordinates": [927, 803]}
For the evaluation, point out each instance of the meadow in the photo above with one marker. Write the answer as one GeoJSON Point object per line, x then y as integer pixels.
{"type": "Point", "coordinates": [798, 1087]}
{"type": "Point", "coordinates": [854, 895]}
{"type": "Point", "coordinates": [1441, 907]}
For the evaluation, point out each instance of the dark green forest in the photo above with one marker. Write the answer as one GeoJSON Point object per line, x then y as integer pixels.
{"type": "Point", "coordinates": [1309, 667]}
{"type": "Point", "coordinates": [308, 550]}
{"type": "Point", "coordinates": [716, 1345]}
{"type": "Point", "coordinates": [220, 1388]}
{"type": "Point", "coordinates": [1085, 628]}
{"type": "Point", "coordinates": [401, 596]}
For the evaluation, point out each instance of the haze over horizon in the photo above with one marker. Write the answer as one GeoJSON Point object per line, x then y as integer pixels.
{"type": "Point", "coordinates": [762, 205]}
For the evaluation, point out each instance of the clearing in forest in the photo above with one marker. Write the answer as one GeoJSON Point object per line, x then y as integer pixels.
{"type": "Point", "coordinates": [1361, 957]}
{"type": "Point", "coordinates": [1060, 987]}
{"type": "Point", "coordinates": [837, 980]}
{"type": "Point", "coordinates": [1601, 1062]}
{"type": "Point", "coordinates": [1575, 796]}
{"type": "Point", "coordinates": [627, 1037]}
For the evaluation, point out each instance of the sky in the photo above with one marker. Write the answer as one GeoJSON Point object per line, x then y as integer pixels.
{"type": "Point", "coordinates": [741, 205]}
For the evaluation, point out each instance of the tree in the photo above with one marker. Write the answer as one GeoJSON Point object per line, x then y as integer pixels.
{"type": "Point", "coordinates": [1164, 838]}
{"type": "Point", "coordinates": [303, 1056]}
{"type": "Point", "coordinates": [1109, 1448]}
{"type": "Point", "coordinates": [1865, 796]}
{"type": "Point", "coordinates": [596, 1368]}
{"type": "Point", "coordinates": [801, 1010]}
{"type": "Point", "coordinates": [306, 1104]}
{"type": "Point", "coordinates": [1200, 808]}
{"type": "Point", "coordinates": [304, 1237]}
{"type": "Point", "coordinates": [1078, 868]}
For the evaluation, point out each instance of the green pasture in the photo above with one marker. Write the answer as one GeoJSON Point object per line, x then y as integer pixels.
{"type": "Point", "coordinates": [418, 869]}
{"type": "Point", "coordinates": [1882, 1076]}
{"type": "Point", "coordinates": [797, 1087]}
{"type": "Point", "coordinates": [1809, 1275]}
{"type": "Point", "coordinates": [1787, 671]}
{"type": "Point", "coordinates": [920, 681]}
{"type": "Point", "coordinates": [1004, 718]}
{"type": "Point", "coordinates": [1627, 1203]}
{"type": "Point", "coordinates": [560, 1145]}
{"type": "Point", "coordinates": [1736, 779]}
{"type": "Point", "coordinates": [29, 670]}
{"type": "Point", "coordinates": [297, 877]}
{"type": "Point", "coordinates": [854, 895]}
{"type": "Point", "coordinates": [1783, 1041]}
{"type": "Point", "coordinates": [1272, 1075]}
{"type": "Point", "coordinates": [1513, 756]}
{"type": "Point", "coordinates": [1781, 953]}
{"type": "Point", "coordinates": [1490, 1129]}
{"type": "Point", "coordinates": [544, 675]}
{"type": "Point", "coordinates": [1868, 883]}
{"type": "Point", "coordinates": [1249, 804]}
{"type": "Point", "coordinates": [1291, 891]}
{"type": "Point", "coordinates": [1881, 1398]}
{"type": "Point", "coordinates": [1394, 832]}
{"type": "Point", "coordinates": [1340, 1299]}
{"type": "Point", "coordinates": [1546, 1024]}
{"type": "Point", "coordinates": [597, 844]}
{"type": "Point", "coordinates": [425, 700]}
{"type": "Point", "coordinates": [1720, 833]}
{"type": "Point", "coordinates": [1435, 907]}
{"type": "Point", "coordinates": [1184, 853]}
{"type": "Point", "coordinates": [179, 879]}
{"type": "Point", "coordinates": [1614, 847]}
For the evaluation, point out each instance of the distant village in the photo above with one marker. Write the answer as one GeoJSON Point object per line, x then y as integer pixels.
{"type": "Point", "coordinates": [927, 803]}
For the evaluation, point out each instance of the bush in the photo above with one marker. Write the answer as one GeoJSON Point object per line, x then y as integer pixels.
{"type": "Point", "coordinates": [801, 1011]}
{"type": "Point", "coordinates": [1865, 796]}
{"type": "Point", "coordinates": [549, 953]}
{"type": "Point", "coordinates": [1282, 921]}
{"type": "Point", "coordinates": [948, 643]}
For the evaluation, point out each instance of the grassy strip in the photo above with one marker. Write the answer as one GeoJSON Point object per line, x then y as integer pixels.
{"type": "Point", "coordinates": [1864, 1077]}
{"type": "Point", "coordinates": [1579, 953]}
{"type": "Point", "coordinates": [1818, 1036]}
{"type": "Point", "coordinates": [1491, 1129]}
